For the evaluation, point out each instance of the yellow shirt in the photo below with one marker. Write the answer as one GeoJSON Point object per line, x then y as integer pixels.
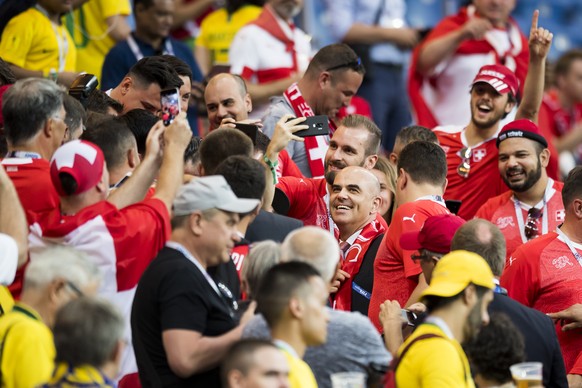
{"type": "Point", "coordinates": [433, 362]}
{"type": "Point", "coordinates": [88, 26]}
{"type": "Point", "coordinates": [300, 374]}
{"type": "Point", "coordinates": [218, 30]}
{"type": "Point", "coordinates": [31, 41]}
{"type": "Point", "coordinates": [66, 376]}
{"type": "Point", "coordinates": [28, 351]}
{"type": "Point", "coordinates": [6, 300]}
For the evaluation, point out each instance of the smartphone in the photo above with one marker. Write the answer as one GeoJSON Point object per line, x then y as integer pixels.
{"type": "Point", "coordinates": [318, 125]}
{"type": "Point", "coordinates": [248, 129]}
{"type": "Point", "coordinates": [453, 205]}
{"type": "Point", "coordinates": [170, 101]}
{"type": "Point", "coordinates": [409, 316]}
{"type": "Point", "coordinates": [82, 87]}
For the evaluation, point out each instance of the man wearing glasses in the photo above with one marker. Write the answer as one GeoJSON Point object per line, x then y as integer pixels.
{"type": "Point", "coordinates": [471, 154]}
{"type": "Point", "coordinates": [546, 273]}
{"type": "Point", "coordinates": [331, 80]}
{"type": "Point", "coordinates": [534, 205]}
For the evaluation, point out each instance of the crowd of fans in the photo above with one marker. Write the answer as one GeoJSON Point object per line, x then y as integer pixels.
{"type": "Point", "coordinates": [427, 233]}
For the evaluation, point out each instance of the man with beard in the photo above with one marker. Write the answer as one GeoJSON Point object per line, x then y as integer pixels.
{"type": "Point", "coordinates": [546, 273]}
{"type": "Point", "coordinates": [355, 142]}
{"type": "Point", "coordinates": [471, 154]}
{"type": "Point", "coordinates": [460, 291]}
{"type": "Point", "coordinates": [534, 205]}
{"type": "Point", "coordinates": [271, 52]}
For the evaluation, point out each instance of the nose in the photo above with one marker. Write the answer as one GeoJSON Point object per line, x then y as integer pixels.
{"type": "Point", "coordinates": [347, 101]}
{"type": "Point", "coordinates": [222, 112]}
{"type": "Point", "coordinates": [512, 161]}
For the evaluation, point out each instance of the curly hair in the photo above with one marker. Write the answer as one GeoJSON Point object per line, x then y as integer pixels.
{"type": "Point", "coordinates": [497, 346]}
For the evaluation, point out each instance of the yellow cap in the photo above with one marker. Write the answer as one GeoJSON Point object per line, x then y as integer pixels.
{"type": "Point", "coordinates": [455, 271]}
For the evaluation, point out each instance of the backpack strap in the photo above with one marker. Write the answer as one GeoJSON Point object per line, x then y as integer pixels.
{"type": "Point", "coordinates": [397, 359]}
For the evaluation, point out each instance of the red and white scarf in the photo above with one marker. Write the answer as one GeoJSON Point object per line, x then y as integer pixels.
{"type": "Point", "coordinates": [315, 146]}
{"type": "Point", "coordinates": [353, 258]}
{"type": "Point", "coordinates": [267, 20]}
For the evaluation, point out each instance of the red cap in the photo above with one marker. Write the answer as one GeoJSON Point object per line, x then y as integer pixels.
{"type": "Point", "coordinates": [499, 77]}
{"type": "Point", "coordinates": [81, 159]}
{"type": "Point", "coordinates": [522, 128]}
{"type": "Point", "coordinates": [435, 235]}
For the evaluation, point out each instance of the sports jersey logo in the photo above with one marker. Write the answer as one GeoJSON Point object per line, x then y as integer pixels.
{"type": "Point", "coordinates": [560, 215]}
{"type": "Point", "coordinates": [511, 260]}
{"type": "Point", "coordinates": [409, 218]}
{"type": "Point", "coordinates": [479, 154]}
{"type": "Point", "coordinates": [561, 262]}
{"type": "Point", "coordinates": [504, 222]}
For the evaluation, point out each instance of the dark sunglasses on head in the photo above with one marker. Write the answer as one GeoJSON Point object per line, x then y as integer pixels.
{"type": "Point", "coordinates": [465, 166]}
{"type": "Point", "coordinates": [354, 65]}
{"type": "Point", "coordinates": [531, 229]}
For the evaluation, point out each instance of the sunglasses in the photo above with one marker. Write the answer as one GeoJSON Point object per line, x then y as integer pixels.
{"type": "Point", "coordinates": [465, 166]}
{"type": "Point", "coordinates": [354, 65]}
{"type": "Point", "coordinates": [531, 229]}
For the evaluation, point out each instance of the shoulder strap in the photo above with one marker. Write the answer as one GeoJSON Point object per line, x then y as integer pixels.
{"type": "Point", "coordinates": [397, 359]}
{"type": "Point", "coordinates": [379, 12]}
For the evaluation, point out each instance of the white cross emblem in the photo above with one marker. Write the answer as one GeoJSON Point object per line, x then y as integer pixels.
{"type": "Point", "coordinates": [66, 154]}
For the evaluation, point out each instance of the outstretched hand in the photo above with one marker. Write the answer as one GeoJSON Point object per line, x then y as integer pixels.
{"type": "Point", "coordinates": [540, 39]}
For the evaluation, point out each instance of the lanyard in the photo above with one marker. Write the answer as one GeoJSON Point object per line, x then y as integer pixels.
{"type": "Point", "coordinates": [23, 154]}
{"type": "Point", "coordinates": [180, 248]}
{"type": "Point", "coordinates": [570, 245]}
{"type": "Point", "coordinates": [168, 48]}
{"type": "Point", "coordinates": [519, 213]}
{"type": "Point", "coordinates": [62, 42]}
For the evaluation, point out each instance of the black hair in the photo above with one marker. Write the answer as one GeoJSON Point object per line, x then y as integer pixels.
{"type": "Point", "coordinates": [114, 138]}
{"type": "Point", "coordinates": [572, 186]}
{"type": "Point", "coordinates": [139, 122]}
{"type": "Point", "coordinates": [425, 162]}
{"type": "Point", "coordinates": [181, 67]}
{"type": "Point", "coordinates": [222, 143]}
{"type": "Point", "coordinates": [244, 175]}
{"type": "Point", "coordinates": [433, 302]}
{"type": "Point", "coordinates": [414, 133]}
{"type": "Point", "coordinates": [155, 70]}
{"type": "Point", "coordinates": [98, 101]}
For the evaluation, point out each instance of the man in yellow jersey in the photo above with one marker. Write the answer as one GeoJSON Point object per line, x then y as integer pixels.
{"type": "Point", "coordinates": [96, 27]}
{"type": "Point", "coordinates": [57, 277]}
{"type": "Point", "coordinates": [36, 44]}
{"type": "Point", "coordinates": [292, 298]}
{"type": "Point", "coordinates": [460, 291]}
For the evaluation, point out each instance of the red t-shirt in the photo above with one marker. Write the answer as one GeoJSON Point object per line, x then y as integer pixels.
{"type": "Point", "coordinates": [555, 121]}
{"type": "Point", "coordinates": [32, 180]}
{"type": "Point", "coordinates": [287, 166]}
{"type": "Point", "coordinates": [395, 274]}
{"type": "Point", "coordinates": [483, 182]}
{"type": "Point", "coordinates": [545, 275]}
{"type": "Point", "coordinates": [307, 199]}
{"type": "Point", "coordinates": [500, 210]}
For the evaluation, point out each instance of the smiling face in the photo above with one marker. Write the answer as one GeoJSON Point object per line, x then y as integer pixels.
{"type": "Point", "coordinates": [347, 147]}
{"type": "Point", "coordinates": [488, 107]}
{"type": "Point", "coordinates": [520, 163]}
{"type": "Point", "coordinates": [354, 199]}
{"type": "Point", "coordinates": [224, 98]}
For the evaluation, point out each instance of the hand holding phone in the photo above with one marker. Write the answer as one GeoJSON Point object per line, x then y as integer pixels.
{"type": "Point", "coordinates": [317, 126]}
{"type": "Point", "coordinates": [409, 317]}
{"type": "Point", "coordinates": [170, 102]}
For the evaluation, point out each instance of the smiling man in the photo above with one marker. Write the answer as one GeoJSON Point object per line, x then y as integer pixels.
{"type": "Point", "coordinates": [354, 202]}
{"type": "Point", "coordinates": [534, 205]}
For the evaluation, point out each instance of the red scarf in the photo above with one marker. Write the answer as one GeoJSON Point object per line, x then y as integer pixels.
{"type": "Point", "coordinates": [353, 260]}
{"type": "Point", "coordinates": [267, 20]}
{"type": "Point", "coordinates": [315, 146]}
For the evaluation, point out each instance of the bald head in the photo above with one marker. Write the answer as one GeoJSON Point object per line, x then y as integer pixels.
{"type": "Point", "coordinates": [226, 96]}
{"type": "Point", "coordinates": [483, 238]}
{"type": "Point", "coordinates": [315, 246]}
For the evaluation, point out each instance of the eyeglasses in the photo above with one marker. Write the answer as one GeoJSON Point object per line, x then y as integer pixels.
{"type": "Point", "coordinates": [75, 289]}
{"type": "Point", "coordinates": [354, 65]}
{"type": "Point", "coordinates": [465, 166]}
{"type": "Point", "coordinates": [531, 229]}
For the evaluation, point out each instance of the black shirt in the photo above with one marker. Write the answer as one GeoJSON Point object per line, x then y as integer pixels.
{"type": "Point", "coordinates": [174, 294]}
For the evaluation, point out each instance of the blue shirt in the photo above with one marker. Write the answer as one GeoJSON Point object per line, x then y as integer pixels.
{"type": "Point", "coordinates": [341, 14]}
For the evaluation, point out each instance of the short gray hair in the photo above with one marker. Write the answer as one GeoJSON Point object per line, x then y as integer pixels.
{"type": "Point", "coordinates": [86, 332]}
{"type": "Point", "coordinates": [60, 262]}
{"type": "Point", "coordinates": [315, 246]}
{"type": "Point", "coordinates": [27, 105]}
{"type": "Point", "coordinates": [261, 258]}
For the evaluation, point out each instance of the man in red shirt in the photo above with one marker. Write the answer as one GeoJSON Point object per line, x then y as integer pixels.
{"type": "Point", "coordinates": [422, 171]}
{"type": "Point", "coordinates": [354, 202]}
{"type": "Point", "coordinates": [118, 233]}
{"type": "Point", "coordinates": [534, 205]}
{"type": "Point", "coordinates": [355, 142]}
{"type": "Point", "coordinates": [34, 126]}
{"type": "Point", "coordinates": [561, 110]}
{"type": "Point", "coordinates": [546, 273]}
{"type": "Point", "coordinates": [471, 153]}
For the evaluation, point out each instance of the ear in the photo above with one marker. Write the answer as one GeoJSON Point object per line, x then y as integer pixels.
{"type": "Point", "coordinates": [196, 223]}
{"type": "Point", "coordinates": [370, 161]}
{"type": "Point", "coordinates": [248, 103]}
{"type": "Point", "coordinates": [324, 79]}
{"type": "Point", "coordinates": [132, 158]}
{"type": "Point", "coordinates": [509, 106]}
{"type": "Point", "coordinates": [470, 296]}
{"type": "Point", "coordinates": [545, 157]}
{"type": "Point", "coordinates": [126, 85]}
{"type": "Point", "coordinates": [296, 307]}
{"type": "Point", "coordinates": [235, 378]}
{"type": "Point", "coordinates": [403, 180]}
{"type": "Point", "coordinates": [376, 201]}
{"type": "Point", "coordinates": [47, 129]}
{"type": "Point", "coordinates": [393, 158]}
{"type": "Point", "coordinates": [117, 352]}
{"type": "Point", "coordinates": [576, 207]}
{"type": "Point", "coordinates": [201, 171]}
{"type": "Point", "coordinates": [445, 185]}
{"type": "Point", "coordinates": [54, 290]}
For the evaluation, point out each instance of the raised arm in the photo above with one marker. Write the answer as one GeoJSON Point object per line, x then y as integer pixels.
{"type": "Point", "coordinates": [540, 41]}
{"type": "Point", "coordinates": [12, 217]}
